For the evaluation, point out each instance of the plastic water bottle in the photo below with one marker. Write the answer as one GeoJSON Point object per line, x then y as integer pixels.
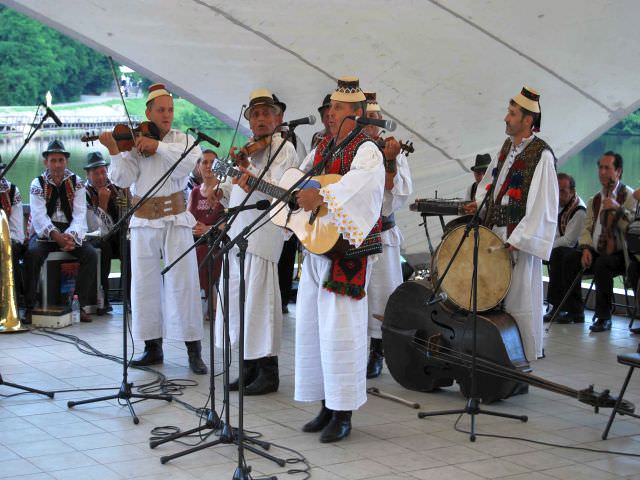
{"type": "Point", "coordinates": [75, 310]}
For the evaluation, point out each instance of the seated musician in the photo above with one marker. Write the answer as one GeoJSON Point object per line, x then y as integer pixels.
{"type": "Point", "coordinates": [571, 218]}
{"type": "Point", "coordinates": [386, 273]}
{"type": "Point", "coordinates": [617, 200]}
{"type": "Point", "coordinates": [11, 203]}
{"type": "Point", "coordinates": [331, 311]}
{"type": "Point", "coordinates": [522, 209]}
{"type": "Point", "coordinates": [479, 168]}
{"type": "Point", "coordinates": [58, 217]}
{"type": "Point", "coordinates": [102, 214]}
{"type": "Point", "coordinates": [263, 306]}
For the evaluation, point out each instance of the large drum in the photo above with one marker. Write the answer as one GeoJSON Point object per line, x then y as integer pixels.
{"type": "Point", "coordinates": [494, 269]}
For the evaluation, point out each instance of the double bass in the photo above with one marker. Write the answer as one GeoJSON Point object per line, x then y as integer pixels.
{"type": "Point", "coordinates": [429, 346]}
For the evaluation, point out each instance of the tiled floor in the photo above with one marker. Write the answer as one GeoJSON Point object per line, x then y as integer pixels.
{"type": "Point", "coordinates": [43, 439]}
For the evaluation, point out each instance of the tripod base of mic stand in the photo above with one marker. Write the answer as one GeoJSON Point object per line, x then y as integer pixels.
{"type": "Point", "coordinates": [473, 408]}
{"type": "Point", "coordinates": [213, 423]}
{"type": "Point", "coordinates": [26, 389]}
{"type": "Point", "coordinates": [228, 435]}
{"type": "Point", "coordinates": [125, 394]}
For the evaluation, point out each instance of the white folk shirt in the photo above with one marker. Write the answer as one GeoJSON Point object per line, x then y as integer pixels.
{"type": "Point", "coordinates": [533, 238]}
{"type": "Point", "coordinates": [98, 220]}
{"type": "Point", "coordinates": [16, 219]}
{"type": "Point", "coordinates": [42, 224]}
{"type": "Point", "coordinates": [267, 240]}
{"type": "Point", "coordinates": [131, 169]}
{"type": "Point", "coordinates": [396, 198]}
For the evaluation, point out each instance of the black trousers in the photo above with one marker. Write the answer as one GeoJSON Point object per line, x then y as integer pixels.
{"type": "Point", "coordinates": [285, 268]}
{"type": "Point", "coordinates": [109, 249]}
{"type": "Point", "coordinates": [564, 266]}
{"type": "Point", "coordinates": [37, 253]}
{"type": "Point", "coordinates": [17, 252]}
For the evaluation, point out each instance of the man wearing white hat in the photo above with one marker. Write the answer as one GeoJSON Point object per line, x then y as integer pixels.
{"type": "Point", "coordinates": [263, 307]}
{"type": "Point", "coordinates": [166, 306]}
{"type": "Point", "coordinates": [523, 209]}
{"type": "Point", "coordinates": [386, 273]}
{"type": "Point", "coordinates": [331, 309]}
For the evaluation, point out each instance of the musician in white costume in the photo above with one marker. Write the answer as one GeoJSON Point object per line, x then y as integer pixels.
{"type": "Point", "coordinates": [524, 210]}
{"type": "Point", "coordinates": [263, 309]}
{"type": "Point", "coordinates": [386, 273]}
{"type": "Point", "coordinates": [162, 306]}
{"type": "Point", "coordinates": [331, 311]}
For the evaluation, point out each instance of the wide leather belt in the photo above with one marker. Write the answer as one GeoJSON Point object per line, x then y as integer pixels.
{"type": "Point", "coordinates": [158, 207]}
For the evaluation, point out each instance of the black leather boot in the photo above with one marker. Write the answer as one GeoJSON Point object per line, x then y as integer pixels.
{"type": "Point", "coordinates": [152, 354]}
{"type": "Point", "coordinates": [250, 374]}
{"type": "Point", "coordinates": [322, 420]}
{"type": "Point", "coordinates": [376, 356]}
{"type": "Point", "coordinates": [338, 428]}
{"type": "Point", "coordinates": [267, 380]}
{"type": "Point", "coordinates": [194, 349]}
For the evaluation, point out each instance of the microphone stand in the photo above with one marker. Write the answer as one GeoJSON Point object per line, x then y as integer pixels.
{"type": "Point", "coordinates": [472, 406]}
{"type": "Point", "coordinates": [125, 392]}
{"type": "Point", "coordinates": [3, 173]}
{"type": "Point", "coordinates": [228, 434]}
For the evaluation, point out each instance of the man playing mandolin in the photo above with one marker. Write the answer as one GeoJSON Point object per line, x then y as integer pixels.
{"type": "Point", "coordinates": [166, 306]}
{"type": "Point", "coordinates": [331, 311]}
{"type": "Point", "coordinates": [263, 309]}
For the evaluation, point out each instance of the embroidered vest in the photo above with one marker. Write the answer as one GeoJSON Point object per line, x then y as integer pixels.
{"type": "Point", "coordinates": [6, 199]}
{"type": "Point", "coordinates": [65, 192]}
{"type": "Point", "coordinates": [94, 201]}
{"type": "Point", "coordinates": [516, 184]}
{"type": "Point", "coordinates": [340, 163]}
{"type": "Point", "coordinates": [567, 213]}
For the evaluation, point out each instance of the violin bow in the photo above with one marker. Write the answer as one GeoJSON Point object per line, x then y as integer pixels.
{"type": "Point", "coordinates": [124, 104]}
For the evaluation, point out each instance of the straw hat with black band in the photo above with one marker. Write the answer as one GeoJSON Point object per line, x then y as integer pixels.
{"type": "Point", "coordinates": [348, 91]}
{"type": "Point", "coordinates": [261, 96]}
{"type": "Point", "coordinates": [372, 102]}
{"type": "Point", "coordinates": [529, 99]}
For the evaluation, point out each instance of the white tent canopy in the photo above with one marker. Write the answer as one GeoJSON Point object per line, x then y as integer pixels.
{"type": "Point", "coordinates": [444, 70]}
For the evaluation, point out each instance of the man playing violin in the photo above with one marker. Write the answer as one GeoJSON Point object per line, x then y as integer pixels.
{"type": "Point", "coordinates": [523, 210]}
{"type": "Point", "coordinates": [386, 273]}
{"type": "Point", "coordinates": [166, 306]}
{"type": "Point", "coordinates": [331, 311]}
{"type": "Point", "coordinates": [617, 200]}
{"type": "Point", "coordinates": [263, 308]}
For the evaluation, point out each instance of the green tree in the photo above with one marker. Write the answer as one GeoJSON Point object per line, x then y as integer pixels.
{"type": "Point", "coordinates": [36, 58]}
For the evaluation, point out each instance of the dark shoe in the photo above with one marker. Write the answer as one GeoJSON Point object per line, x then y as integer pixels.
{"type": "Point", "coordinates": [338, 428]}
{"type": "Point", "coordinates": [376, 357]}
{"type": "Point", "coordinates": [194, 349]}
{"type": "Point", "coordinates": [85, 317]}
{"type": "Point", "coordinates": [322, 420]}
{"type": "Point", "coordinates": [250, 374]}
{"type": "Point", "coordinates": [108, 308]}
{"type": "Point", "coordinates": [635, 330]}
{"type": "Point", "coordinates": [601, 325]}
{"type": "Point", "coordinates": [152, 354]}
{"type": "Point", "coordinates": [568, 317]}
{"type": "Point", "coordinates": [267, 380]}
{"type": "Point", "coordinates": [285, 309]}
{"type": "Point", "coordinates": [28, 314]}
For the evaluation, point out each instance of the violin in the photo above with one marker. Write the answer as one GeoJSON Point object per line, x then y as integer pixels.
{"type": "Point", "coordinates": [250, 148]}
{"type": "Point", "coordinates": [405, 147]}
{"type": "Point", "coordinates": [608, 218]}
{"type": "Point", "coordinates": [122, 135]}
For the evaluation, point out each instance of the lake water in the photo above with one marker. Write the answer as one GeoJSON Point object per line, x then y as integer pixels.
{"type": "Point", "coordinates": [29, 164]}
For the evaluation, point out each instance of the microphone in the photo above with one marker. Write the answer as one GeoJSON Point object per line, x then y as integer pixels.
{"type": "Point", "coordinates": [389, 125]}
{"type": "Point", "coordinates": [260, 205]}
{"type": "Point", "coordinates": [203, 136]}
{"type": "Point", "coordinates": [310, 120]}
{"type": "Point", "coordinates": [441, 297]}
{"type": "Point", "coordinates": [52, 115]}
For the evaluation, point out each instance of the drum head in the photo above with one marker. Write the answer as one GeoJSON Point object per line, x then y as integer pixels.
{"type": "Point", "coordinates": [494, 269]}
